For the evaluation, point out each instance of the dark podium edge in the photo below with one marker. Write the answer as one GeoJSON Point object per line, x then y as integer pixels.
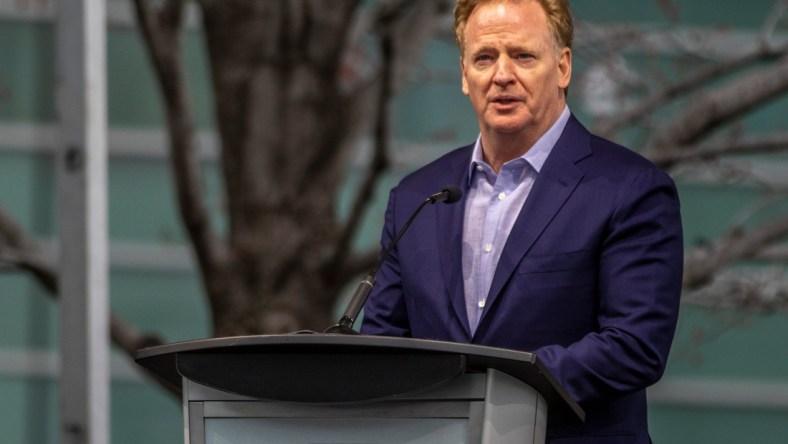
{"type": "Point", "coordinates": [162, 360]}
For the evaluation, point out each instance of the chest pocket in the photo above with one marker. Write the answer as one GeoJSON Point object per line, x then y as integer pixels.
{"type": "Point", "coordinates": [564, 270]}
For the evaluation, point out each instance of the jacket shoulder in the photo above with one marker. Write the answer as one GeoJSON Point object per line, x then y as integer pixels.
{"type": "Point", "coordinates": [449, 169]}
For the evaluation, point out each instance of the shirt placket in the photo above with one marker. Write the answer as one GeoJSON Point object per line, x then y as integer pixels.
{"type": "Point", "coordinates": [490, 243]}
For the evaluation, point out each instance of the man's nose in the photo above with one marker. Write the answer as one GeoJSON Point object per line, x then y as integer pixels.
{"type": "Point", "coordinates": [504, 71]}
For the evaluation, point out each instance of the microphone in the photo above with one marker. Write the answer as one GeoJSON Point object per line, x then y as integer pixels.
{"type": "Point", "coordinates": [449, 195]}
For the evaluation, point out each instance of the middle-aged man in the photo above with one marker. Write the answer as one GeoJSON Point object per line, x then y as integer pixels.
{"type": "Point", "coordinates": [564, 244]}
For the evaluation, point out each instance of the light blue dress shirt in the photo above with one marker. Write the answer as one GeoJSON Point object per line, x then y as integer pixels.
{"type": "Point", "coordinates": [493, 204]}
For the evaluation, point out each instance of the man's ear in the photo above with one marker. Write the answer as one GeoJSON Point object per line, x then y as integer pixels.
{"type": "Point", "coordinates": [462, 70]}
{"type": "Point", "coordinates": [565, 68]}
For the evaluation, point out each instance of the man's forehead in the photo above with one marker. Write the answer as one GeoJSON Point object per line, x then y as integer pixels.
{"type": "Point", "coordinates": [499, 23]}
{"type": "Point", "coordinates": [506, 11]}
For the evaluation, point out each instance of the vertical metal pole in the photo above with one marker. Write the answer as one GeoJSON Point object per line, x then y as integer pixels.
{"type": "Point", "coordinates": [82, 189]}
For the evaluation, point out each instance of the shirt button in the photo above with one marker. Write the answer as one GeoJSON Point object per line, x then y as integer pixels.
{"type": "Point", "coordinates": [482, 302]}
{"type": "Point", "coordinates": [479, 168]}
{"type": "Point", "coordinates": [501, 196]}
{"type": "Point", "coordinates": [488, 248]}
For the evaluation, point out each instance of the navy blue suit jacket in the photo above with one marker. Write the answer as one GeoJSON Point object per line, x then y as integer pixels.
{"type": "Point", "coordinates": [589, 279]}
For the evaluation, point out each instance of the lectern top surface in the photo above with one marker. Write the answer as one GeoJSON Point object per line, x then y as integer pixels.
{"type": "Point", "coordinates": [163, 360]}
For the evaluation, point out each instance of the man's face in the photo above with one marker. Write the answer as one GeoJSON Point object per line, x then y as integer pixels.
{"type": "Point", "coordinates": [511, 69]}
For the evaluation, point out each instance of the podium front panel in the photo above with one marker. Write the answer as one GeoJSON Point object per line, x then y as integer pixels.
{"type": "Point", "coordinates": [487, 408]}
{"type": "Point", "coordinates": [452, 413]}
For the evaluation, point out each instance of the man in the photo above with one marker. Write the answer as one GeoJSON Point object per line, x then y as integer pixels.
{"type": "Point", "coordinates": [564, 244]}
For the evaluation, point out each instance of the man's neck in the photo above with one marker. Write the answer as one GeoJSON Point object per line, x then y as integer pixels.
{"type": "Point", "coordinates": [499, 148]}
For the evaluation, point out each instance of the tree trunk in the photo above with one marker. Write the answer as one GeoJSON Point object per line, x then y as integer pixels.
{"type": "Point", "coordinates": [281, 119]}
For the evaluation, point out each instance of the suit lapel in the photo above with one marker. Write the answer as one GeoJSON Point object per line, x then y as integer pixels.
{"type": "Point", "coordinates": [556, 181]}
{"type": "Point", "coordinates": [449, 232]}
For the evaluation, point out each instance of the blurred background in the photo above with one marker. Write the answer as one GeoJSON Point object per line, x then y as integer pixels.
{"type": "Point", "coordinates": [252, 145]}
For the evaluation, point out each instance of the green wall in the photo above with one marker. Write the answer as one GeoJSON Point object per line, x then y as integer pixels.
{"type": "Point", "coordinates": [710, 345]}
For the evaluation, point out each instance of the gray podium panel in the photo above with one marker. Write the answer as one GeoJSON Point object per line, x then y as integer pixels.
{"type": "Point", "coordinates": [450, 414]}
{"type": "Point", "coordinates": [343, 389]}
{"type": "Point", "coordinates": [514, 413]}
{"type": "Point", "coordinates": [491, 408]}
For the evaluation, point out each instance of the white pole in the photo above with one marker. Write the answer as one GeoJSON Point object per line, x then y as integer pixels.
{"type": "Point", "coordinates": [82, 190]}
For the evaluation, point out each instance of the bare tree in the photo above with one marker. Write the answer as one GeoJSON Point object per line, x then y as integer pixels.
{"type": "Point", "coordinates": [287, 122]}
{"type": "Point", "coordinates": [701, 135]}
{"type": "Point", "coordinates": [289, 119]}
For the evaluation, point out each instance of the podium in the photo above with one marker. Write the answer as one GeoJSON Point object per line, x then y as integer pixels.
{"type": "Point", "coordinates": [327, 388]}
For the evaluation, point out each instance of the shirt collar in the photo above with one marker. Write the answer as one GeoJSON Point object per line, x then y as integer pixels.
{"type": "Point", "coordinates": [537, 154]}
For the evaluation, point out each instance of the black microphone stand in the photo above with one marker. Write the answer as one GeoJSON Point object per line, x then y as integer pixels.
{"type": "Point", "coordinates": [449, 194]}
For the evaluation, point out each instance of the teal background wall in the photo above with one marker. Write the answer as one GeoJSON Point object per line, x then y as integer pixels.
{"type": "Point", "coordinates": [713, 349]}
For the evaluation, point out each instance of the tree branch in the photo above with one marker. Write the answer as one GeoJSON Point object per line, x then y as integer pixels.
{"type": "Point", "coordinates": [711, 109]}
{"type": "Point", "coordinates": [129, 339]}
{"type": "Point", "coordinates": [772, 20]}
{"type": "Point", "coordinates": [403, 27]}
{"type": "Point", "coordinates": [380, 158]}
{"type": "Point", "coordinates": [686, 85]}
{"type": "Point", "coordinates": [772, 143]}
{"type": "Point", "coordinates": [703, 262]}
{"type": "Point", "coordinates": [776, 254]}
{"type": "Point", "coordinates": [764, 292]}
{"type": "Point", "coordinates": [162, 31]}
{"type": "Point", "coordinates": [17, 250]}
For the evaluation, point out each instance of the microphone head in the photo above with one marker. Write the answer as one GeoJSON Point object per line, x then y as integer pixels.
{"type": "Point", "coordinates": [453, 194]}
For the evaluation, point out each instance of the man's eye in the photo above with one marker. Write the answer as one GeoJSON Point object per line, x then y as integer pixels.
{"type": "Point", "coordinates": [524, 56]}
{"type": "Point", "coordinates": [484, 58]}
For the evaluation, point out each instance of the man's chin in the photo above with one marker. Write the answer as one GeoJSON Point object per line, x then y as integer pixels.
{"type": "Point", "coordinates": [513, 127]}
{"type": "Point", "coordinates": [508, 122]}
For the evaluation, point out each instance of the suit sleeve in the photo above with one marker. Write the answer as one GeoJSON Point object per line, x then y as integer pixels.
{"type": "Point", "coordinates": [385, 312]}
{"type": "Point", "coordinates": [639, 288]}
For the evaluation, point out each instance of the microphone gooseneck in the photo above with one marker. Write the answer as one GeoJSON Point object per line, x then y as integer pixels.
{"type": "Point", "coordinates": [449, 195]}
